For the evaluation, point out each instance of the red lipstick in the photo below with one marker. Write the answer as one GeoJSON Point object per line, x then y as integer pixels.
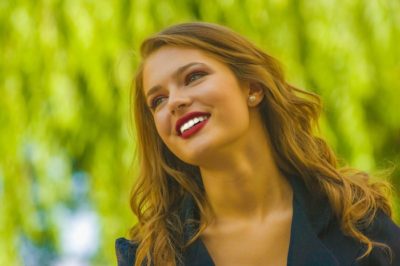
{"type": "Point", "coordinates": [187, 133]}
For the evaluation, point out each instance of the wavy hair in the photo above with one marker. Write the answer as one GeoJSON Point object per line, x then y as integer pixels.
{"type": "Point", "coordinates": [290, 116]}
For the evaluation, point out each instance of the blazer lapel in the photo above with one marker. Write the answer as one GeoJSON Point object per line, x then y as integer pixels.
{"type": "Point", "coordinates": [305, 246]}
{"type": "Point", "coordinates": [311, 215]}
{"type": "Point", "coordinates": [196, 254]}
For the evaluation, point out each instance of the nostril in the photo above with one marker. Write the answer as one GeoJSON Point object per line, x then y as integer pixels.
{"type": "Point", "coordinates": [180, 106]}
{"type": "Point", "coordinates": [177, 103]}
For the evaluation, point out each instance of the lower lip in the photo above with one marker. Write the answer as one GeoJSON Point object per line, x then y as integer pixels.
{"type": "Point", "coordinates": [194, 129]}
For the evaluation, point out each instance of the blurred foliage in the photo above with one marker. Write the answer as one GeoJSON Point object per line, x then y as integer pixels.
{"type": "Point", "coordinates": [65, 71]}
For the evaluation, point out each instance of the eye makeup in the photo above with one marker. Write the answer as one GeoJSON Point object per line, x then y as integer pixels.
{"type": "Point", "coordinates": [195, 72]}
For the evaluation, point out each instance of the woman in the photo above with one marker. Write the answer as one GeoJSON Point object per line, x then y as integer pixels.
{"type": "Point", "coordinates": [231, 172]}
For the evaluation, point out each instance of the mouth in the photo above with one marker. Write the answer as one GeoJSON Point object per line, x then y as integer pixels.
{"type": "Point", "coordinates": [191, 123]}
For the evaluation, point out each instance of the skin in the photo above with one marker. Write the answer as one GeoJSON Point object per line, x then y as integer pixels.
{"type": "Point", "coordinates": [247, 193]}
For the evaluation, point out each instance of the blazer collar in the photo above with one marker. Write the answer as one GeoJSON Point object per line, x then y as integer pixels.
{"type": "Point", "coordinates": [311, 216]}
{"type": "Point", "coordinates": [315, 207]}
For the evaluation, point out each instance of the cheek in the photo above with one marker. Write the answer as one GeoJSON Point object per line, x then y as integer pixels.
{"type": "Point", "coordinates": [231, 101]}
{"type": "Point", "coordinates": [162, 125]}
{"type": "Point", "coordinates": [233, 112]}
{"type": "Point", "coordinates": [227, 91]}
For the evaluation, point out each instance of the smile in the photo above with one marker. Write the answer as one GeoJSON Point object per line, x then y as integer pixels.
{"type": "Point", "coordinates": [191, 123]}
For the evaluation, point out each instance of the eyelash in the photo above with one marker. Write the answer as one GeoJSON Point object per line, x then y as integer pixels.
{"type": "Point", "coordinates": [188, 80]}
{"type": "Point", "coordinates": [154, 102]}
{"type": "Point", "coordinates": [194, 74]}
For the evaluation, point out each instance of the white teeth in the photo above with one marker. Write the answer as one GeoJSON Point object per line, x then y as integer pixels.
{"type": "Point", "coordinates": [191, 123]}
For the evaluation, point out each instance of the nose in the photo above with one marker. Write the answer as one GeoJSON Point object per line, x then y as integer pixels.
{"type": "Point", "coordinates": [178, 102]}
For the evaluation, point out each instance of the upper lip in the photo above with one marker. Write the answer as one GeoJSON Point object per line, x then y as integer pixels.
{"type": "Point", "coordinates": [186, 118]}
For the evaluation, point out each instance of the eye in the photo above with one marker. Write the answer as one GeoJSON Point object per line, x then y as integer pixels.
{"type": "Point", "coordinates": [157, 101]}
{"type": "Point", "coordinates": [194, 76]}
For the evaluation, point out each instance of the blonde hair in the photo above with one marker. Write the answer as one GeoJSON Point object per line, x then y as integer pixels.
{"type": "Point", "coordinates": [290, 115]}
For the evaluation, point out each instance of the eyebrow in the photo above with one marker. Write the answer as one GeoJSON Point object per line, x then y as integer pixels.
{"type": "Point", "coordinates": [176, 73]}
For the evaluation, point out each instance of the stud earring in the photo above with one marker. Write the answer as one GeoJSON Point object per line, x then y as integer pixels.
{"type": "Point", "coordinates": [252, 98]}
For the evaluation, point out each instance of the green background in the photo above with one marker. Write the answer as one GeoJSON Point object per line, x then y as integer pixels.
{"type": "Point", "coordinates": [66, 140]}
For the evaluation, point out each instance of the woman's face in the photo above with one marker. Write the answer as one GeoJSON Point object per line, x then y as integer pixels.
{"type": "Point", "coordinates": [200, 109]}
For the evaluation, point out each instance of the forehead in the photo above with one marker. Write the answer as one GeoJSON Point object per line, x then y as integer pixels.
{"type": "Point", "coordinates": [161, 64]}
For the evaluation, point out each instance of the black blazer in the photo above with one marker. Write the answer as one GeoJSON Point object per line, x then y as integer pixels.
{"type": "Point", "coordinates": [316, 238]}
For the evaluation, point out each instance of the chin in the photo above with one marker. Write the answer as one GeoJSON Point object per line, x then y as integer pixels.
{"type": "Point", "coordinates": [201, 157]}
{"type": "Point", "coordinates": [202, 151]}
{"type": "Point", "coordinates": [197, 155]}
{"type": "Point", "coordinates": [194, 158]}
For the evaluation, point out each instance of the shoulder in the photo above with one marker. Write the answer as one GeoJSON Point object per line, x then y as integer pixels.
{"type": "Point", "coordinates": [326, 226]}
{"type": "Point", "coordinates": [126, 251]}
{"type": "Point", "coordinates": [384, 230]}
{"type": "Point", "coordinates": [348, 251]}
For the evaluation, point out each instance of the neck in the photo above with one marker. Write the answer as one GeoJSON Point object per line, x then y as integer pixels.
{"type": "Point", "coordinates": [246, 184]}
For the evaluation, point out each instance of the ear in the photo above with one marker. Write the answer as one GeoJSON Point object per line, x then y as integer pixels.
{"type": "Point", "coordinates": [255, 94]}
